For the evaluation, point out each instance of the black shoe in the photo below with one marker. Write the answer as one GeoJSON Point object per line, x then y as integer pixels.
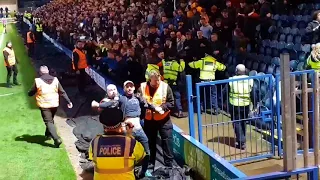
{"type": "Point", "coordinates": [241, 146]}
{"type": "Point", "coordinates": [57, 143]}
{"type": "Point", "coordinates": [16, 83]}
{"type": "Point", "coordinates": [9, 86]}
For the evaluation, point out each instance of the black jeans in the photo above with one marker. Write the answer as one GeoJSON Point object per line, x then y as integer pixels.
{"type": "Point", "coordinates": [239, 114]}
{"type": "Point", "coordinates": [30, 49]}
{"type": "Point", "coordinates": [82, 80]}
{"type": "Point", "coordinates": [47, 116]}
{"type": "Point", "coordinates": [165, 128]}
{"type": "Point", "coordinates": [39, 37]}
{"type": "Point", "coordinates": [12, 70]}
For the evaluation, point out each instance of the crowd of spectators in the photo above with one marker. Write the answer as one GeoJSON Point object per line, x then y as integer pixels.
{"type": "Point", "coordinates": [123, 36]}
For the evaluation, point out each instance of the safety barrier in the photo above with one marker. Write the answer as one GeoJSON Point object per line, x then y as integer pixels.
{"type": "Point", "coordinates": [223, 127]}
{"type": "Point", "coordinates": [187, 150]}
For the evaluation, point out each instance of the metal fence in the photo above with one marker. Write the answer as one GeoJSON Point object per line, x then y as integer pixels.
{"type": "Point", "coordinates": [243, 133]}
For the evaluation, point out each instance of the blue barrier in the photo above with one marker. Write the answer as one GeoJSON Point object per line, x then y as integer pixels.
{"type": "Point", "coordinates": [187, 150]}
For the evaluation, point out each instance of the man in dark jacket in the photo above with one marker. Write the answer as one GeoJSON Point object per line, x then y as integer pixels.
{"type": "Point", "coordinates": [313, 28]}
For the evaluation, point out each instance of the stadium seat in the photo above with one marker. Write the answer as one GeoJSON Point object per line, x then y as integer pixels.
{"type": "Point", "coordinates": [283, 17]}
{"type": "Point", "coordinates": [276, 61]}
{"type": "Point", "coordinates": [301, 56]}
{"type": "Point", "coordinates": [282, 37]}
{"type": "Point", "coordinates": [253, 73]}
{"type": "Point", "coordinates": [272, 29]}
{"type": "Point", "coordinates": [300, 66]}
{"type": "Point", "coordinates": [262, 67]}
{"type": "Point", "coordinates": [275, 52]}
{"type": "Point", "coordinates": [286, 30]}
{"type": "Point", "coordinates": [298, 18]}
{"type": "Point", "coordinates": [267, 59]}
{"type": "Point", "coordinates": [260, 58]}
{"type": "Point", "coordinates": [293, 54]}
{"type": "Point", "coordinates": [302, 32]}
{"type": "Point", "coordinates": [261, 50]}
{"type": "Point", "coordinates": [294, 24]}
{"type": "Point", "coordinates": [281, 45]}
{"type": "Point", "coordinates": [297, 39]}
{"type": "Point", "coordinates": [280, 30]}
{"type": "Point", "coordinates": [266, 42]}
{"type": "Point", "coordinates": [290, 19]}
{"type": "Point", "coordinates": [289, 38]}
{"type": "Point", "coordinates": [255, 66]}
{"type": "Point", "coordinates": [248, 64]}
{"type": "Point", "coordinates": [302, 24]}
{"type": "Point", "coordinates": [276, 17]}
{"type": "Point", "coordinates": [294, 31]}
{"type": "Point", "coordinates": [293, 65]}
{"type": "Point", "coordinates": [249, 48]}
{"type": "Point", "coordinates": [297, 47]}
{"type": "Point", "coordinates": [279, 23]}
{"type": "Point", "coordinates": [267, 51]}
{"type": "Point", "coordinates": [273, 44]}
{"type": "Point", "coordinates": [274, 36]}
{"type": "Point", "coordinates": [270, 69]}
{"type": "Point", "coordinates": [289, 45]}
{"type": "Point", "coordinates": [306, 48]}
{"type": "Point", "coordinates": [306, 18]}
{"type": "Point", "coordinates": [284, 50]}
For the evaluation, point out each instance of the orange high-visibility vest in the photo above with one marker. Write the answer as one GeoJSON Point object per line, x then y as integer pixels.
{"type": "Point", "coordinates": [47, 93]}
{"type": "Point", "coordinates": [29, 39]}
{"type": "Point", "coordinates": [82, 63]}
{"type": "Point", "coordinates": [159, 97]}
{"type": "Point", "coordinates": [11, 57]}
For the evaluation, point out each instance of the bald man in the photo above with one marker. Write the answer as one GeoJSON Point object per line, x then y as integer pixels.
{"type": "Point", "coordinates": [239, 102]}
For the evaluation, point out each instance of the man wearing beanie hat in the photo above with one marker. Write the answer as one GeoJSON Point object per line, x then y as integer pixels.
{"type": "Point", "coordinates": [47, 90]}
{"type": "Point", "coordinates": [239, 102]}
{"type": "Point", "coordinates": [115, 153]}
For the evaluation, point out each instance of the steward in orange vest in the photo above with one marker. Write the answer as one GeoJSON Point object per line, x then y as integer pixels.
{"type": "Point", "coordinates": [159, 96]}
{"type": "Point", "coordinates": [79, 64]}
{"type": "Point", "coordinates": [10, 63]}
{"type": "Point", "coordinates": [30, 42]}
{"type": "Point", "coordinates": [47, 90]}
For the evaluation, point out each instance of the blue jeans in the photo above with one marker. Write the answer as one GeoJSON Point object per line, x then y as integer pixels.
{"type": "Point", "coordinates": [177, 96]}
{"type": "Point", "coordinates": [140, 136]}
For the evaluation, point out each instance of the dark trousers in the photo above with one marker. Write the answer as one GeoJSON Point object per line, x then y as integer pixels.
{"type": "Point", "coordinates": [47, 116]}
{"type": "Point", "coordinates": [239, 114]}
{"type": "Point", "coordinates": [165, 128]}
{"type": "Point", "coordinates": [30, 49]}
{"type": "Point", "coordinates": [39, 37]}
{"type": "Point", "coordinates": [81, 80]}
{"type": "Point", "coordinates": [12, 70]}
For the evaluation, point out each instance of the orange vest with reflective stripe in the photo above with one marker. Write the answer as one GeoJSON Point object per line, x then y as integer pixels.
{"type": "Point", "coordinates": [47, 93]}
{"type": "Point", "coordinates": [159, 97]}
{"type": "Point", "coordinates": [11, 57]}
{"type": "Point", "coordinates": [29, 39]}
{"type": "Point", "coordinates": [113, 156]}
{"type": "Point", "coordinates": [82, 63]}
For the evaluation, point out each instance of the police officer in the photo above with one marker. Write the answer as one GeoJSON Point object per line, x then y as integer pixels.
{"type": "Point", "coordinates": [47, 90]}
{"type": "Point", "coordinates": [159, 96]}
{"type": "Point", "coordinates": [208, 66]}
{"type": "Point", "coordinates": [239, 102]}
{"type": "Point", "coordinates": [116, 153]}
{"type": "Point", "coordinates": [30, 42]}
{"type": "Point", "coordinates": [171, 70]}
{"type": "Point", "coordinates": [79, 64]}
{"type": "Point", "coordinates": [10, 62]}
{"type": "Point", "coordinates": [39, 31]}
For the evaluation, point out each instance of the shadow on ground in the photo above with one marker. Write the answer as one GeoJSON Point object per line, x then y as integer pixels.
{"type": "Point", "coordinates": [230, 141]}
{"type": "Point", "coordinates": [34, 139]}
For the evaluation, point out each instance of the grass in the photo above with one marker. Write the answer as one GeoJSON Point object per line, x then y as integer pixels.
{"type": "Point", "coordinates": [24, 153]}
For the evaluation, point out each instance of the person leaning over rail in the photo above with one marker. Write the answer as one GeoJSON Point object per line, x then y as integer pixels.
{"type": "Point", "coordinates": [116, 152]}
{"type": "Point", "coordinates": [47, 90]}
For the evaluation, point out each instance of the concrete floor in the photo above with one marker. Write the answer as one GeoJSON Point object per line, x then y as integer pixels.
{"type": "Point", "coordinates": [221, 138]}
